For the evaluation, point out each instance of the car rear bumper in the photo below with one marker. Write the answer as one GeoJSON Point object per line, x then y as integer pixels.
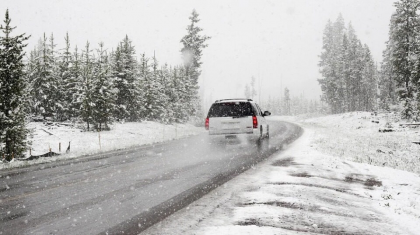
{"type": "Point", "coordinates": [254, 132]}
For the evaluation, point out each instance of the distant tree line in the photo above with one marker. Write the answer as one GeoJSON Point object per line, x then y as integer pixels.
{"type": "Point", "coordinates": [95, 85]}
{"type": "Point", "coordinates": [349, 75]}
{"type": "Point", "coordinates": [288, 105]}
{"type": "Point", "coordinates": [285, 104]}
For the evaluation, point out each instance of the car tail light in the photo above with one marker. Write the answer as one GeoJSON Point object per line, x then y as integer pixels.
{"type": "Point", "coordinates": [207, 123]}
{"type": "Point", "coordinates": [254, 122]}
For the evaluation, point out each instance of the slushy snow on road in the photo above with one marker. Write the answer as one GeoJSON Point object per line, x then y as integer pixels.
{"type": "Point", "coordinates": [306, 188]}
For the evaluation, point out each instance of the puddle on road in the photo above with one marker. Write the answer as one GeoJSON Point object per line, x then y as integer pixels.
{"type": "Point", "coordinates": [373, 182]}
{"type": "Point", "coordinates": [367, 180]}
{"type": "Point", "coordinates": [285, 162]}
{"type": "Point", "coordinates": [301, 174]}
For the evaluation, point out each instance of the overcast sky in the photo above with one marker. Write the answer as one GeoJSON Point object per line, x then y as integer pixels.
{"type": "Point", "coordinates": [276, 41]}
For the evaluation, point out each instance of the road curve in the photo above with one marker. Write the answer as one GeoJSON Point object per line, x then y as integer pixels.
{"type": "Point", "coordinates": [126, 191]}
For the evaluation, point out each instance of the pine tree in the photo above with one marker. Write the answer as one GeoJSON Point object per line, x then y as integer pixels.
{"type": "Point", "coordinates": [73, 84]}
{"type": "Point", "coordinates": [352, 76]}
{"type": "Point", "coordinates": [155, 98]}
{"type": "Point", "coordinates": [12, 85]}
{"type": "Point", "coordinates": [327, 66]}
{"type": "Point", "coordinates": [166, 81]}
{"type": "Point", "coordinates": [404, 42]}
{"type": "Point", "coordinates": [126, 81]}
{"type": "Point", "coordinates": [103, 92]}
{"type": "Point", "coordinates": [31, 72]}
{"type": "Point", "coordinates": [193, 44]}
{"type": "Point", "coordinates": [387, 81]}
{"type": "Point", "coordinates": [183, 90]}
{"type": "Point", "coordinates": [347, 69]}
{"type": "Point", "coordinates": [57, 102]}
{"type": "Point", "coordinates": [85, 90]}
{"type": "Point", "coordinates": [178, 97]}
{"type": "Point", "coordinates": [66, 85]}
{"type": "Point", "coordinates": [368, 93]}
{"type": "Point", "coordinates": [157, 95]}
{"type": "Point", "coordinates": [339, 29]}
{"type": "Point", "coordinates": [146, 85]}
{"type": "Point", "coordinates": [44, 83]}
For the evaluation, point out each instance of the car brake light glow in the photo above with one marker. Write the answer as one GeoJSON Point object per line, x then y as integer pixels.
{"type": "Point", "coordinates": [254, 122]}
{"type": "Point", "coordinates": [207, 123]}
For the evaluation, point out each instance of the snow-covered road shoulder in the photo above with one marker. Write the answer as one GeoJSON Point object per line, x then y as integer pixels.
{"type": "Point", "coordinates": [303, 190]}
{"type": "Point", "coordinates": [46, 136]}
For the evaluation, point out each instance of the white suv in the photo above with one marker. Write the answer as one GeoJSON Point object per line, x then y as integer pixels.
{"type": "Point", "coordinates": [232, 117]}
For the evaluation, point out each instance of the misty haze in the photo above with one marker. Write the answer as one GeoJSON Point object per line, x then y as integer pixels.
{"type": "Point", "coordinates": [210, 117]}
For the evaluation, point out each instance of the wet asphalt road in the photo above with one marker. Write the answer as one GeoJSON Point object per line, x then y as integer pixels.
{"type": "Point", "coordinates": [126, 191]}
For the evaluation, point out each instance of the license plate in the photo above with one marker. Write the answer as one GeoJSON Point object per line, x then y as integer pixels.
{"type": "Point", "coordinates": [230, 126]}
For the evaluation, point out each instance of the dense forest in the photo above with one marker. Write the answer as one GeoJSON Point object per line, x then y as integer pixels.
{"type": "Point", "coordinates": [93, 84]}
{"type": "Point", "coordinates": [351, 80]}
{"type": "Point", "coordinates": [349, 74]}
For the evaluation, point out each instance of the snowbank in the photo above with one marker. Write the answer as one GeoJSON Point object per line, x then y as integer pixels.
{"type": "Point", "coordinates": [121, 136]}
{"type": "Point", "coordinates": [359, 137]}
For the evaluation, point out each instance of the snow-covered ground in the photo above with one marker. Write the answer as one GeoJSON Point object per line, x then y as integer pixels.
{"type": "Point", "coordinates": [325, 182]}
{"type": "Point", "coordinates": [121, 136]}
{"type": "Point", "coordinates": [356, 137]}
{"type": "Point", "coordinates": [342, 176]}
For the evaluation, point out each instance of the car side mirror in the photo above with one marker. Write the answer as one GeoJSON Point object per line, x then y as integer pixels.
{"type": "Point", "coordinates": [266, 113]}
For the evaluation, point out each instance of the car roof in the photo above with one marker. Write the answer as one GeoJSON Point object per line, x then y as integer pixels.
{"type": "Point", "coordinates": [234, 100]}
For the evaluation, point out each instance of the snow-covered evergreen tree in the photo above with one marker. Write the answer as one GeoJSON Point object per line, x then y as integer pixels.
{"type": "Point", "coordinates": [126, 81]}
{"type": "Point", "coordinates": [56, 81]}
{"type": "Point", "coordinates": [31, 72]}
{"type": "Point", "coordinates": [146, 86]}
{"type": "Point", "coordinates": [404, 48]}
{"type": "Point", "coordinates": [158, 99]}
{"type": "Point", "coordinates": [44, 81]}
{"type": "Point", "coordinates": [178, 95]}
{"type": "Point", "coordinates": [154, 95]}
{"type": "Point", "coordinates": [12, 85]}
{"type": "Point", "coordinates": [85, 90]}
{"type": "Point", "coordinates": [168, 91]}
{"type": "Point", "coordinates": [388, 96]}
{"type": "Point", "coordinates": [66, 85]}
{"type": "Point", "coordinates": [103, 92]}
{"type": "Point", "coordinates": [368, 85]}
{"type": "Point", "coordinates": [193, 44]}
{"type": "Point", "coordinates": [327, 68]}
{"type": "Point", "coordinates": [347, 69]}
{"type": "Point", "coordinates": [73, 84]}
{"type": "Point", "coordinates": [339, 30]}
{"type": "Point", "coordinates": [171, 94]}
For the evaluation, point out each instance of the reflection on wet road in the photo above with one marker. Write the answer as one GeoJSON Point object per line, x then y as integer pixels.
{"type": "Point", "coordinates": [127, 190]}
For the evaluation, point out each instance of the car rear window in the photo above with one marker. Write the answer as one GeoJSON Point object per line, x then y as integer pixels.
{"type": "Point", "coordinates": [231, 109]}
